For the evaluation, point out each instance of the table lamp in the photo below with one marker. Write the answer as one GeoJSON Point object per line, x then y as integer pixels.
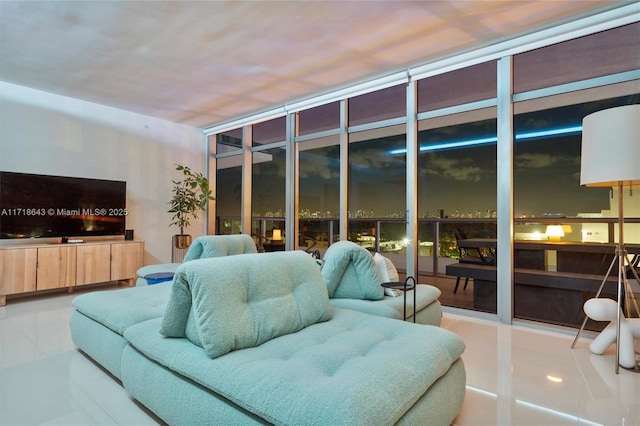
{"type": "Point", "coordinates": [554, 232]}
{"type": "Point", "coordinates": [276, 243]}
{"type": "Point", "coordinates": [611, 158]}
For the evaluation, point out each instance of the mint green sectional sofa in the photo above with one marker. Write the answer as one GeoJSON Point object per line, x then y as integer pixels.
{"type": "Point", "coordinates": [253, 339]}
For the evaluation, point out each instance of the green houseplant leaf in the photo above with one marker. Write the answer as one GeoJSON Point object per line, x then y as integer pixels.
{"type": "Point", "coordinates": [190, 196]}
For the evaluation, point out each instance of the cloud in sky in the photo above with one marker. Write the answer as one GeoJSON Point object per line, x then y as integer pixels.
{"type": "Point", "coordinates": [321, 165]}
{"type": "Point", "coordinates": [373, 158]}
{"type": "Point", "coordinates": [531, 160]}
{"type": "Point", "coordinates": [322, 168]}
{"type": "Point", "coordinates": [460, 169]}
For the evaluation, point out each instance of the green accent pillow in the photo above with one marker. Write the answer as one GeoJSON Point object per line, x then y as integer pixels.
{"type": "Point", "coordinates": [242, 301]}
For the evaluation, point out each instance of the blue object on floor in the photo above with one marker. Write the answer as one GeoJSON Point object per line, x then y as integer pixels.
{"type": "Point", "coordinates": [158, 278]}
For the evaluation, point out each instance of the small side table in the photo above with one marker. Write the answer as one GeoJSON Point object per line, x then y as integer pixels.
{"type": "Point", "coordinates": [404, 286]}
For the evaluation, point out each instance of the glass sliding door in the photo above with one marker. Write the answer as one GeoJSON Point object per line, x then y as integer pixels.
{"type": "Point", "coordinates": [457, 180]}
{"type": "Point", "coordinates": [457, 200]}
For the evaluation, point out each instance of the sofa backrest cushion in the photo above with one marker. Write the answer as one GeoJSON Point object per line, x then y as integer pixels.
{"type": "Point", "coordinates": [236, 302]}
{"type": "Point", "coordinates": [220, 245]}
{"type": "Point", "coordinates": [350, 272]}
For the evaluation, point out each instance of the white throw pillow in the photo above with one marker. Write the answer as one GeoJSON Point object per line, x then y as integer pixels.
{"type": "Point", "coordinates": [391, 270]}
{"type": "Point", "coordinates": [381, 266]}
{"type": "Point", "coordinates": [386, 268]}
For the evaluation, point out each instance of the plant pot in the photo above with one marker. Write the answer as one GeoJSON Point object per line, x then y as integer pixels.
{"type": "Point", "coordinates": [182, 241]}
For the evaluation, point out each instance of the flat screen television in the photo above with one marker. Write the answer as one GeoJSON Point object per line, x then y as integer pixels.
{"type": "Point", "coordinates": [41, 206]}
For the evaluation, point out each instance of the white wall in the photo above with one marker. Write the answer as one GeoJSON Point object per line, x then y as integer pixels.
{"type": "Point", "coordinates": [45, 133]}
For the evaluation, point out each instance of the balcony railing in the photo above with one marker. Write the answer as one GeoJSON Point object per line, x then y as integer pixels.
{"type": "Point", "coordinates": [387, 235]}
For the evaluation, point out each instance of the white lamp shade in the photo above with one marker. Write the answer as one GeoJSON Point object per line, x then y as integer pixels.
{"type": "Point", "coordinates": [554, 231]}
{"type": "Point", "coordinates": [611, 147]}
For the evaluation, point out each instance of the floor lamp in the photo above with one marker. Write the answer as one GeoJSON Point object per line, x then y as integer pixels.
{"type": "Point", "coordinates": [611, 158]}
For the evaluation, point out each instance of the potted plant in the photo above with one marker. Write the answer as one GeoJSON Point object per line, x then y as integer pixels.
{"type": "Point", "coordinates": [190, 195]}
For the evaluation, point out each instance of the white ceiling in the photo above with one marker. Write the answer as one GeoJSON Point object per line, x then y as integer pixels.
{"type": "Point", "coordinates": [206, 62]}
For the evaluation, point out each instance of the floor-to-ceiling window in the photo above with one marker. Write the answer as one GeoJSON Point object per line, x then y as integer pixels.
{"type": "Point", "coordinates": [319, 176]}
{"type": "Point", "coordinates": [457, 126]}
{"type": "Point", "coordinates": [377, 176]}
{"type": "Point", "coordinates": [457, 172]}
{"type": "Point", "coordinates": [555, 87]}
{"type": "Point", "coordinates": [268, 173]}
{"type": "Point", "coordinates": [228, 181]}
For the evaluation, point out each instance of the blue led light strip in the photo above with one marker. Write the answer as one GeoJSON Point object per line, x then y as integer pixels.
{"type": "Point", "coordinates": [565, 131]}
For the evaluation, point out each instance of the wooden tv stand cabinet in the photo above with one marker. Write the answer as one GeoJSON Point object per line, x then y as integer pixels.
{"type": "Point", "coordinates": [37, 267]}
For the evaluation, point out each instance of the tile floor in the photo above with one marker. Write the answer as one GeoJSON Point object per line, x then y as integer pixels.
{"type": "Point", "coordinates": [515, 375]}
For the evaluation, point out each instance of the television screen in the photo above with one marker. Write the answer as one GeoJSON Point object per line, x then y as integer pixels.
{"type": "Point", "coordinates": [39, 206]}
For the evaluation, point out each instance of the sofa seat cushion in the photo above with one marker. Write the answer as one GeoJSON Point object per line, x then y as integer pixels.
{"type": "Point", "coordinates": [354, 369]}
{"type": "Point", "coordinates": [242, 301]}
{"type": "Point", "coordinates": [119, 309]}
{"type": "Point", "coordinates": [392, 307]}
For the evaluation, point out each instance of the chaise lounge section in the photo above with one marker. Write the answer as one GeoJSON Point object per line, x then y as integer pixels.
{"type": "Point", "coordinates": [354, 279]}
